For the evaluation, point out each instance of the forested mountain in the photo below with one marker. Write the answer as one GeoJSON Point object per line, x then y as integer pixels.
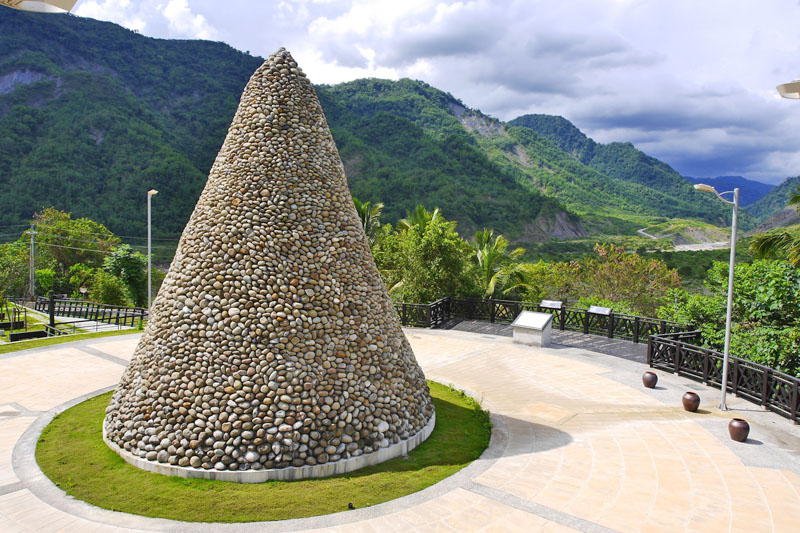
{"type": "Point", "coordinates": [654, 187]}
{"type": "Point", "coordinates": [93, 115]}
{"type": "Point", "coordinates": [750, 191]}
{"type": "Point", "coordinates": [775, 200]}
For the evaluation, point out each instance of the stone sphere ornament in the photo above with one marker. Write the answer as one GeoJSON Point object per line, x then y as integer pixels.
{"type": "Point", "coordinates": [273, 350]}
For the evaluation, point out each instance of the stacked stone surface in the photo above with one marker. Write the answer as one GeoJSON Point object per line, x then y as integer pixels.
{"type": "Point", "coordinates": [272, 341]}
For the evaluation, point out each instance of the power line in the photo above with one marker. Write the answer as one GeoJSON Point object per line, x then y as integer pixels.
{"type": "Point", "coordinates": [74, 248]}
{"type": "Point", "coordinates": [110, 234]}
{"type": "Point", "coordinates": [16, 226]}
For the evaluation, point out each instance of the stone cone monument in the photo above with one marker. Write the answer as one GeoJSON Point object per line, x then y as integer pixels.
{"type": "Point", "coordinates": [273, 350]}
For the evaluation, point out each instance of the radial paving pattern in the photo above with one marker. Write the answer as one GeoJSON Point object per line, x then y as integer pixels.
{"type": "Point", "coordinates": [272, 342]}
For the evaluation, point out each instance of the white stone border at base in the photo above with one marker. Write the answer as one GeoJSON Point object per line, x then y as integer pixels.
{"type": "Point", "coordinates": [289, 473]}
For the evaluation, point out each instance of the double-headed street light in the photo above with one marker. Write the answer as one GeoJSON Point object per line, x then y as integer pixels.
{"type": "Point", "coordinates": [735, 203]}
{"type": "Point", "coordinates": [150, 194]}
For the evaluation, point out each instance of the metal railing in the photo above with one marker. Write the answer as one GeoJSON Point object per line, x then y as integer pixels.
{"type": "Point", "coordinates": [109, 314]}
{"type": "Point", "coordinates": [615, 325]}
{"type": "Point", "coordinates": [770, 388]}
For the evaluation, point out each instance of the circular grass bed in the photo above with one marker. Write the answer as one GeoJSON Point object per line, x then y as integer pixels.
{"type": "Point", "coordinates": [71, 452]}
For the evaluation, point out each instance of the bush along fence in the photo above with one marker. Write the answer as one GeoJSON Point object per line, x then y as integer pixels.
{"type": "Point", "coordinates": [613, 325]}
{"type": "Point", "coordinates": [759, 384]}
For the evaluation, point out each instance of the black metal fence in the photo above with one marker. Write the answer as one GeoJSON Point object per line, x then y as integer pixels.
{"type": "Point", "coordinates": [760, 384]}
{"type": "Point", "coordinates": [109, 314]}
{"type": "Point", "coordinates": [615, 325]}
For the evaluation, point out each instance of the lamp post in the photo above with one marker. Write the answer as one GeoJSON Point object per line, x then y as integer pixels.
{"type": "Point", "coordinates": [735, 203]}
{"type": "Point", "coordinates": [150, 194]}
{"type": "Point", "coordinates": [789, 90]}
{"type": "Point", "coordinates": [41, 6]}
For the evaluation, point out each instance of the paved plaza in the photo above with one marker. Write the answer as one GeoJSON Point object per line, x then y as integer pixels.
{"type": "Point", "coordinates": [577, 444]}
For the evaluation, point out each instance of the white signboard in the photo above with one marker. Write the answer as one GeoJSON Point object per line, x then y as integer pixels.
{"type": "Point", "coordinates": [595, 310]}
{"type": "Point", "coordinates": [532, 320]}
{"type": "Point", "coordinates": [551, 304]}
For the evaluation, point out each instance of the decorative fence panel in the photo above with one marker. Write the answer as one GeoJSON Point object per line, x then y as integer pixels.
{"type": "Point", "coordinates": [760, 384]}
{"type": "Point", "coordinates": [110, 314]}
{"type": "Point", "coordinates": [628, 327]}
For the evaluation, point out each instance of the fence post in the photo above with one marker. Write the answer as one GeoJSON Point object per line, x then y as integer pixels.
{"type": "Point", "coordinates": [793, 407]}
{"type": "Point", "coordinates": [650, 351]}
{"type": "Point", "coordinates": [428, 316]}
{"type": "Point", "coordinates": [663, 327]}
{"type": "Point", "coordinates": [636, 330]}
{"type": "Point", "coordinates": [51, 309]}
{"type": "Point", "coordinates": [611, 326]}
{"type": "Point", "coordinates": [562, 318]}
{"type": "Point", "coordinates": [764, 388]}
{"type": "Point", "coordinates": [677, 358]}
{"type": "Point", "coordinates": [491, 311]}
{"type": "Point", "coordinates": [585, 322]}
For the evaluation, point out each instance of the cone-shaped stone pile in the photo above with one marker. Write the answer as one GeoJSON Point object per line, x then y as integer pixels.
{"type": "Point", "coordinates": [272, 342]}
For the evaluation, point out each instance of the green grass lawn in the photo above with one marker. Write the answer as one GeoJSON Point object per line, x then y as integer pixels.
{"type": "Point", "coordinates": [37, 343]}
{"type": "Point", "coordinates": [72, 454]}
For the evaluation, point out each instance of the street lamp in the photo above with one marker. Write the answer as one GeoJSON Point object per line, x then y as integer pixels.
{"type": "Point", "coordinates": [41, 6]}
{"type": "Point", "coordinates": [150, 194]}
{"type": "Point", "coordinates": [789, 90]}
{"type": "Point", "coordinates": [735, 203]}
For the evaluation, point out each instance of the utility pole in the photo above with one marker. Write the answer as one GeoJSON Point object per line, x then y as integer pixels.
{"type": "Point", "coordinates": [32, 268]}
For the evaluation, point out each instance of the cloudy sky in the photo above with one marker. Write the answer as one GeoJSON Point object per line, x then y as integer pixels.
{"type": "Point", "coordinates": [690, 82]}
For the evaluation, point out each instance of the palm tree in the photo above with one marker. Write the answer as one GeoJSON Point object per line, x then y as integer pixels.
{"type": "Point", "coordinates": [419, 219]}
{"type": "Point", "coordinates": [780, 244]}
{"type": "Point", "coordinates": [370, 218]}
{"type": "Point", "coordinates": [498, 270]}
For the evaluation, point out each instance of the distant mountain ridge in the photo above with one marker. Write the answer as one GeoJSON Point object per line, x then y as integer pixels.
{"type": "Point", "coordinates": [750, 191]}
{"type": "Point", "coordinates": [775, 200]}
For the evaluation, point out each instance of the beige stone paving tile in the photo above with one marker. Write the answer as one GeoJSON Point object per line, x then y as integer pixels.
{"type": "Point", "coordinates": [41, 381]}
{"type": "Point", "coordinates": [123, 348]}
{"type": "Point", "coordinates": [554, 527]}
{"type": "Point", "coordinates": [84, 526]}
{"type": "Point", "coordinates": [60, 523]}
{"type": "Point", "coordinates": [10, 526]}
{"type": "Point", "coordinates": [11, 430]}
{"type": "Point", "coordinates": [666, 521]}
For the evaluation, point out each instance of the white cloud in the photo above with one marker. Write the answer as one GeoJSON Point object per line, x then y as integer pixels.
{"type": "Point", "coordinates": [185, 23]}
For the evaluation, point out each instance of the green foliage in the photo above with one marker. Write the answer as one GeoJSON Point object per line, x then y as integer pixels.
{"type": "Point", "coordinates": [423, 262]}
{"type": "Point", "coordinates": [131, 269]}
{"type": "Point", "coordinates": [766, 306]}
{"type": "Point", "coordinates": [497, 270]}
{"type": "Point", "coordinates": [14, 259]}
{"type": "Point", "coordinates": [45, 280]}
{"type": "Point", "coordinates": [370, 216]}
{"type": "Point", "coordinates": [108, 289]}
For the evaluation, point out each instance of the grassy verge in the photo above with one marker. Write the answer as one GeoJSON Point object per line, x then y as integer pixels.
{"type": "Point", "coordinates": [72, 453]}
{"type": "Point", "coordinates": [38, 343]}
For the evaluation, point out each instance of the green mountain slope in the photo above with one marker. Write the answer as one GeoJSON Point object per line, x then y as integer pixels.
{"type": "Point", "coordinates": [775, 200]}
{"type": "Point", "coordinates": [92, 115]}
{"type": "Point", "coordinates": [656, 189]}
